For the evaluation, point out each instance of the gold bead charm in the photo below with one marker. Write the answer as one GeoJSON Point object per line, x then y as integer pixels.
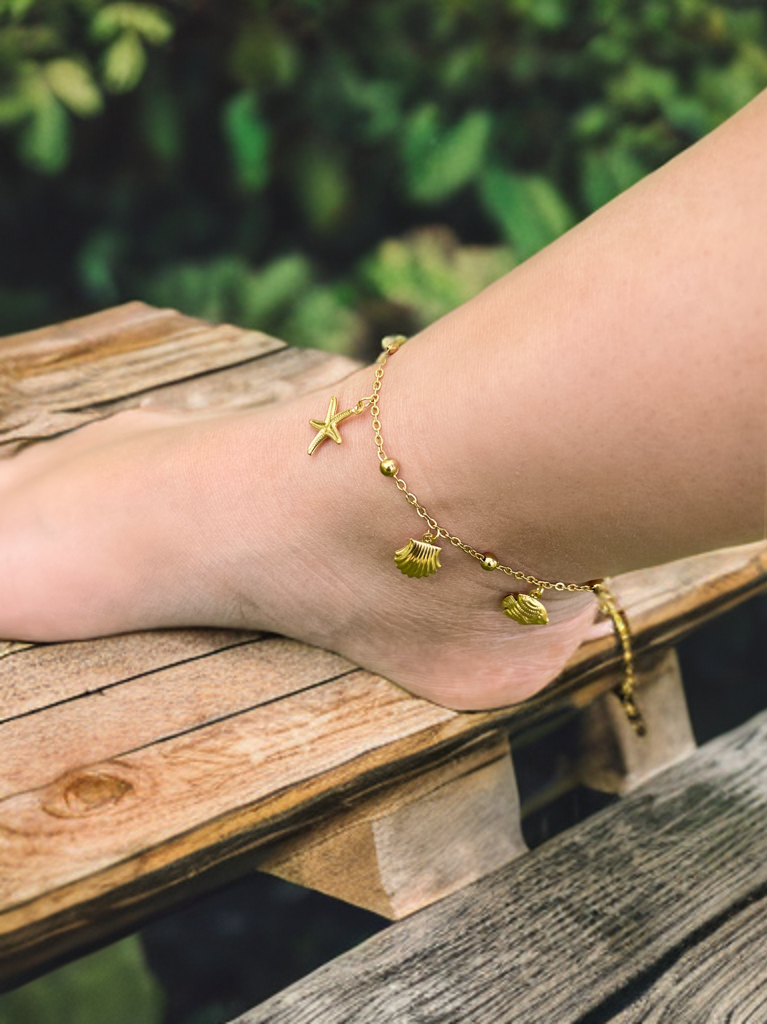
{"type": "Point", "coordinates": [489, 562]}
{"type": "Point", "coordinates": [418, 557]}
{"type": "Point", "coordinates": [526, 608]}
{"type": "Point", "coordinates": [389, 467]}
{"type": "Point", "coordinates": [392, 342]}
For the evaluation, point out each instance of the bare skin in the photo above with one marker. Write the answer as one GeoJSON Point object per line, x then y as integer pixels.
{"type": "Point", "coordinates": [601, 408]}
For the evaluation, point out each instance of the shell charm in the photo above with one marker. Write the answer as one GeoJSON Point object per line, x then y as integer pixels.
{"type": "Point", "coordinates": [526, 608]}
{"type": "Point", "coordinates": [418, 557]}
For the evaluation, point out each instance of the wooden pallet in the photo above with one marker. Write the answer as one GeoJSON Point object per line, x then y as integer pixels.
{"type": "Point", "coordinates": [138, 770]}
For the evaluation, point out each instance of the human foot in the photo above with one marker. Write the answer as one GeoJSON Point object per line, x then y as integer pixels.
{"type": "Point", "coordinates": [146, 521]}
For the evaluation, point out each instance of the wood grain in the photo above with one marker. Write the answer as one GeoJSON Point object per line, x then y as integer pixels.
{"type": "Point", "coordinates": [58, 378]}
{"type": "Point", "coordinates": [38, 676]}
{"type": "Point", "coordinates": [157, 704]}
{"type": "Point", "coordinates": [721, 978]}
{"type": "Point", "coordinates": [592, 917]}
{"type": "Point", "coordinates": [416, 842]}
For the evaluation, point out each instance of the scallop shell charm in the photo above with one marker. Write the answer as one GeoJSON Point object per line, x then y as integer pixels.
{"type": "Point", "coordinates": [418, 558]}
{"type": "Point", "coordinates": [526, 608]}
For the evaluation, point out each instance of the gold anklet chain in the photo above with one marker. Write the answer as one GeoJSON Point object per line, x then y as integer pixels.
{"type": "Point", "coordinates": [421, 558]}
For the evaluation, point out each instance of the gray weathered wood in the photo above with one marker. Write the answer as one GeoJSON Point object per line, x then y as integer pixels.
{"type": "Point", "coordinates": [562, 933]}
{"type": "Point", "coordinates": [721, 979]}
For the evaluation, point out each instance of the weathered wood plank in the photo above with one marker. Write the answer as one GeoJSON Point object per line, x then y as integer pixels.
{"type": "Point", "coordinates": [275, 377]}
{"type": "Point", "coordinates": [562, 932]}
{"type": "Point", "coordinates": [50, 376]}
{"type": "Point", "coordinates": [156, 705]}
{"type": "Point", "coordinates": [416, 842]}
{"type": "Point", "coordinates": [58, 378]}
{"type": "Point", "coordinates": [722, 978]}
{"type": "Point", "coordinates": [34, 677]}
{"type": "Point", "coordinates": [115, 832]}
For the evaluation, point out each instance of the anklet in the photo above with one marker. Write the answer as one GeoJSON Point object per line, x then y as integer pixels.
{"type": "Point", "coordinates": [419, 558]}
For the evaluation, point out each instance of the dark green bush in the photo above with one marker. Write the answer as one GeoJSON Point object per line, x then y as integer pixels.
{"type": "Point", "coordinates": [272, 161]}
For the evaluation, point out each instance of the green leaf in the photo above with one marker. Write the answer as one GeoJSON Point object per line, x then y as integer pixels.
{"type": "Point", "coordinates": [96, 264]}
{"type": "Point", "coordinates": [528, 209]}
{"type": "Point", "coordinates": [161, 123]}
{"type": "Point", "coordinates": [427, 273]}
{"type": "Point", "coordinates": [43, 141]}
{"type": "Point", "coordinates": [14, 107]}
{"type": "Point", "coordinates": [438, 163]}
{"type": "Point", "coordinates": [248, 137]}
{"type": "Point", "coordinates": [320, 319]}
{"type": "Point", "coordinates": [606, 172]}
{"type": "Point", "coordinates": [150, 22]}
{"type": "Point", "coordinates": [546, 14]}
{"type": "Point", "coordinates": [592, 120]}
{"type": "Point", "coordinates": [642, 88]}
{"type": "Point", "coordinates": [123, 63]}
{"type": "Point", "coordinates": [73, 84]}
{"type": "Point", "coordinates": [269, 292]}
{"type": "Point", "coordinates": [263, 55]}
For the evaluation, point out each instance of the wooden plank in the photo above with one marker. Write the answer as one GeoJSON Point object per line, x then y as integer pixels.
{"type": "Point", "coordinates": [275, 377]}
{"type": "Point", "coordinates": [563, 933]}
{"type": "Point", "coordinates": [134, 356]}
{"type": "Point", "coordinates": [38, 676]}
{"type": "Point", "coordinates": [50, 376]}
{"type": "Point", "coordinates": [79, 856]}
{"type": "Point", "coordinates": [417, 841]}
{"type": "Point", "coordinates": [155, 705]}
{"type": "Point", "coordinates": [82, 853]}
{"type": "Point", "coordinates": [723, 977]}
{"type": "Point", "coordinates": [215, 774]}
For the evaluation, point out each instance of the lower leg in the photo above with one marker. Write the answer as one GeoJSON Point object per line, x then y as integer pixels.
{"type": "Point", "coordinates": [581, 417]}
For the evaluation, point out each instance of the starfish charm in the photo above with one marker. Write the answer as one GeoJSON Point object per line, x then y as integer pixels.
{"type": "Point", "coordinates": [327, 427]}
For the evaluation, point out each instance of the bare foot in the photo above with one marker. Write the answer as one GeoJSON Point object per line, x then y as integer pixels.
{"type": "Point", "coordinates": [146, 521]}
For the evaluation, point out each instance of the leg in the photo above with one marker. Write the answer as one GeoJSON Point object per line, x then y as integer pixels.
{"type": "Point", "coordinates": [600, 408]}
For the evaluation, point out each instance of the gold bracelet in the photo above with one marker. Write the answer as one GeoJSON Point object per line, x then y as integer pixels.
{"type": "Point", "coordinates": [419, 558]}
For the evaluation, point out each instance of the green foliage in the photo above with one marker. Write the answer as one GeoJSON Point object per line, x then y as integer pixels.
{"type": "Point", "coordinates": [427, 273]}
{"type": "Point", "coordinates": [295, 145]}
{"type": "Point", "coordinates": [527, 207]}
{"type": "Point", "coordinates": [48, 69]}
{"type": "Point", "coordinates": [113, 985]}
{"type": "Point", "coordinates": [248, 136]}
{"type": "Point", "coordinates": [439, 161]}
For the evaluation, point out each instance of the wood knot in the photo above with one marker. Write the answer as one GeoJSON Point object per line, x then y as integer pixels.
{"type": "Point", "coordinates": [85, 793]}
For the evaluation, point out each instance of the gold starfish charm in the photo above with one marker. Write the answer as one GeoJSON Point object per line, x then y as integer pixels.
{"type": "Point", "coordinates": [327, 427]}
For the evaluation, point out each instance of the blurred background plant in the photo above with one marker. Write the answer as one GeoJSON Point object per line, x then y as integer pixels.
{"type": "Point", "coordinates": [329, 170]}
